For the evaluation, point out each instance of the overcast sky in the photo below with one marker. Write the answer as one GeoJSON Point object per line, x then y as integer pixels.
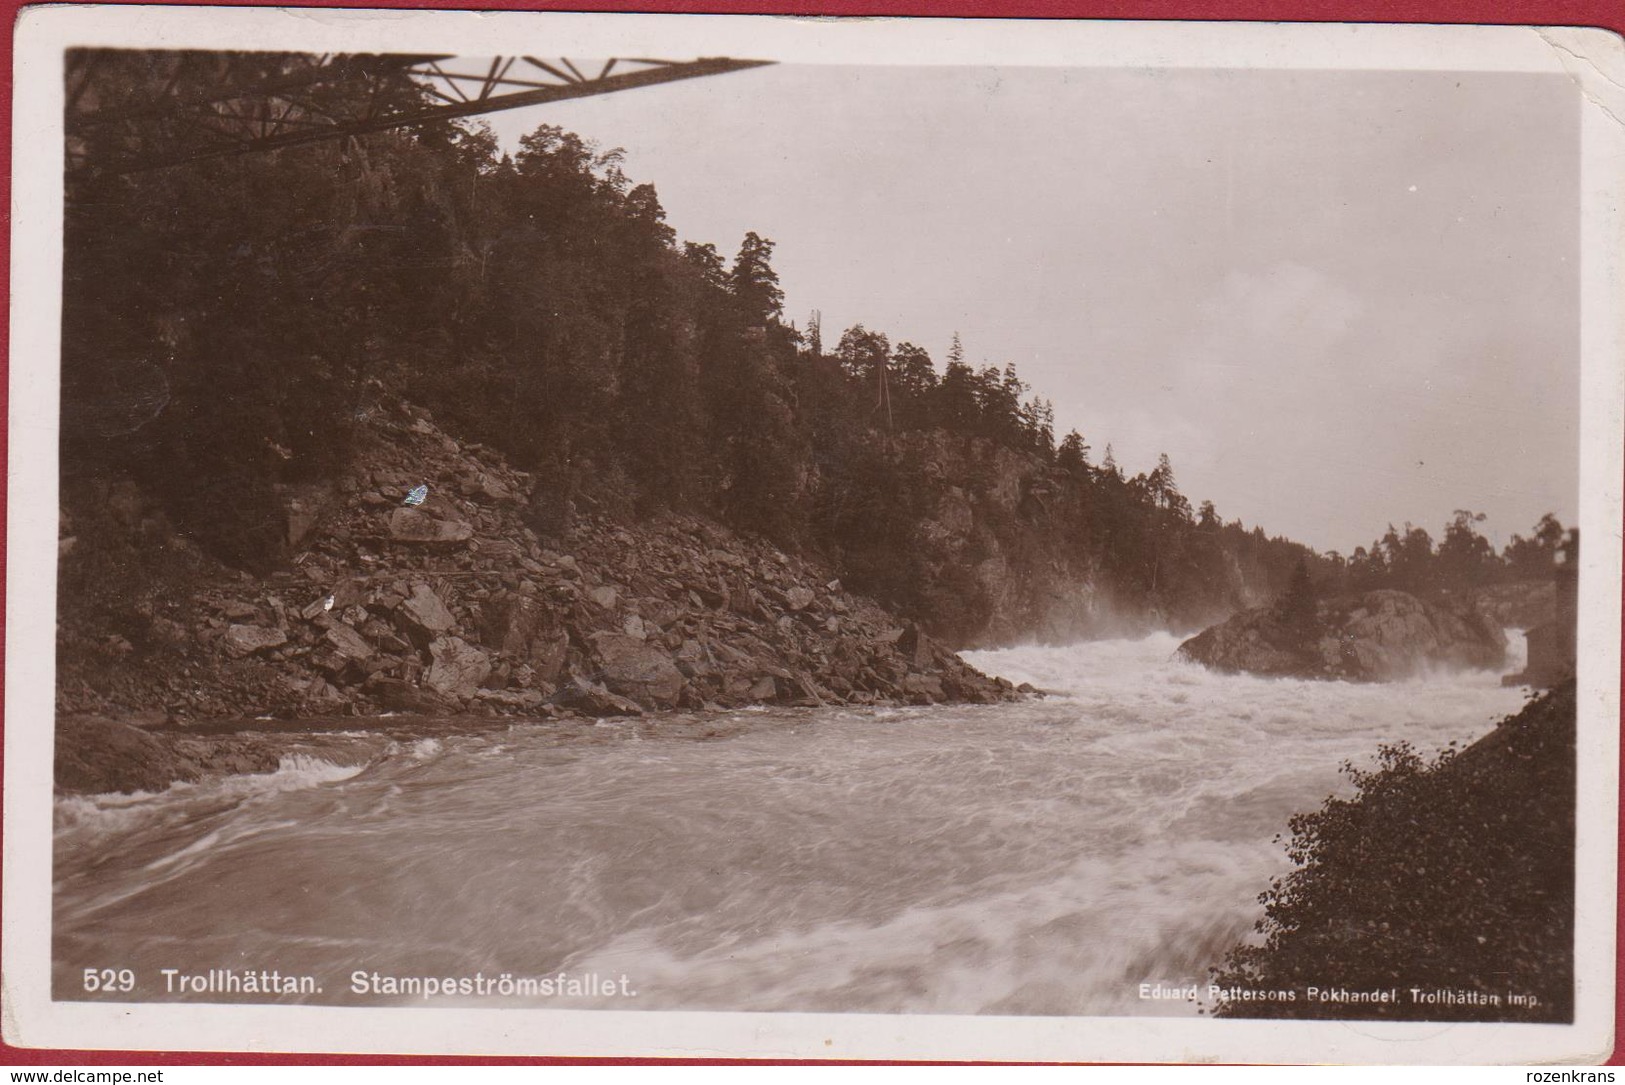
{"type": "Point", "coordinates": [1336, 300]}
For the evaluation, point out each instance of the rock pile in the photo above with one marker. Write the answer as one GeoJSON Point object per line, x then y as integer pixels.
{"type": "Point", "coordinates": [456, 605]}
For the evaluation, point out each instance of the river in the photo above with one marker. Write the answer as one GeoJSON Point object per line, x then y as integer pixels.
{"type": "Point", "coordinates": [1038, 858]}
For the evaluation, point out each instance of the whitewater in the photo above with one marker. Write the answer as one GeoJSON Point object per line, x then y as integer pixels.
{"type": "Point", "coordinates": [1046, 857]}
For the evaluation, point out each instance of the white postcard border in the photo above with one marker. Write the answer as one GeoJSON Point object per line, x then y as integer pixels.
{"type": "Point", "coordinates": [1593, 58]}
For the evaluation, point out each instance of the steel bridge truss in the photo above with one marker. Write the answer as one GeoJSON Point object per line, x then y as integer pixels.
{"type": "Point", "coordinates": [129, 111]}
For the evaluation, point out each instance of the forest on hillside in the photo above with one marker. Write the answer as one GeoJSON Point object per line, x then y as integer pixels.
{"type": "Point", "coordinates": [229, 324]}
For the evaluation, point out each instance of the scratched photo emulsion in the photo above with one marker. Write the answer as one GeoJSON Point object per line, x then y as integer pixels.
{"type": "Point", "coordinates": [721, 533]}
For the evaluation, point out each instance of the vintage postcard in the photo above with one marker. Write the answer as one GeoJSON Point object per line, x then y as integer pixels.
{"type": "Point", "coordinates": [857, 539]}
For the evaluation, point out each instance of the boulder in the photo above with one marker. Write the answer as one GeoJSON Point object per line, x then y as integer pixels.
{"type": "Point", "coordinates": [398, 696]}
{"type": "Point", "coordinates": [634, 668]}
{"type": "Point", "coordinates": [660, 612]}
{"type": "Point", "coordinates": [422, 616]}
{"type": "Point", "coordinates": [97, 755]}
{"type": "Point", "coordinates": [915, 646]}
{"type": "Point", "coordinates": [799, 598]}
{"type": "Point", "coordinates": [693, 660]}
{"type": "Point", "coordinates": [924, 687]}
{"type": "Point", "coordinates": [347, 642]}
{"type": "Point", "coordinates": [727, 558]}
{"type": "Point", "coordinates": [591, 699]}
{"type": "Point", "coordinates": [246, 640]}
{"type": "Point", "coordinates": [348, 593]}
{"type": "Point", "coordinates": [523, 700]}
{"type": "Point", "coordinates": [415, 525]}
{"type": "Point", "coordinates": [483, 484]}
{"type": "Point", "coordinates": [458, 668]}
{"type": "Point", "coordinates": [164, 631]}
{"type": "Point", "coordinates": [811, 692]}
{"type": "Point", "coordinates": [505, 552]}
{"type": "Point", "coordinates": [496, 490]}
{"type": "Point", "coordinates": [744, 599]}
{"type": "Point", "coordinates": [227, 755]}
{"type": "Point", "coordinates": [702, 595]}
{"type": "Point", "coordinates": [522, 629]}
{"type": "Point", "coordinates": [548, 651]}
{"type": "Point", "coordinates": [384, 637]}
{"type": "Point", "coordinates": [1378, 636]}
{"type": "Point", "coordinates": [507, 620]}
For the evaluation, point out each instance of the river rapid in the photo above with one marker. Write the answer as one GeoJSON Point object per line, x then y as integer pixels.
{"type": "Point", "coordinates": [1047, 857]}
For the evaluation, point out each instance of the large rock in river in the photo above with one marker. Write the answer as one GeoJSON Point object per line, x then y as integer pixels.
{"type": "Point", "coordinates": [96, 755]}
{"type": "Point", "coordinates": [1379, 636]}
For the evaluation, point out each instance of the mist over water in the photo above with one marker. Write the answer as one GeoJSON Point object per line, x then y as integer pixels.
{"type": "Point", "coordinates": [1038, 858]}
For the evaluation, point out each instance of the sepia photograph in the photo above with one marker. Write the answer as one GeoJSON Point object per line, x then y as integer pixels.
{"type": "Point", "coordinates": [842, 530]}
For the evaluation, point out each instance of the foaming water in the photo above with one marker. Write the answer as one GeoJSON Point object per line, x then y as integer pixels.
{"type": "Point", "coordinates": [1039, 858]}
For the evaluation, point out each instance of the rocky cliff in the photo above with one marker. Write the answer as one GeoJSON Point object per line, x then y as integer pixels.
{"type": "Point", "coordinates": [985, 532]}
{"type": "Point", "coordinates": [416, 584]}
{"type": "Point", "coordinates": [1377, 636]}
{"type": "Point", "coordinates": [1521, 604]}
{"type": "Point", "coordinates": [1006, 551]}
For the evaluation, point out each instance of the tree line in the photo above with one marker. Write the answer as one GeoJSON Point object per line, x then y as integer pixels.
{"type": "Point", "coordinates": [1408, 559]}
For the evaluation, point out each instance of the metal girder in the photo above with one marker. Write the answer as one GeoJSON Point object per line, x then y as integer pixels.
{"type": "Point", "coordinates": [129, 111]}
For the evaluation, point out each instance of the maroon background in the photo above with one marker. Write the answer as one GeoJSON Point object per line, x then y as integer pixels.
{"type": "Point", "coordinates": [1609, 14]}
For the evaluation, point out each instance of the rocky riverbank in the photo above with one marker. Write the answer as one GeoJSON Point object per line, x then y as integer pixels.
{"type": "Point", "coordinates": [1376, 636]}
{"type": "Point", "coordinates": [417, 583]}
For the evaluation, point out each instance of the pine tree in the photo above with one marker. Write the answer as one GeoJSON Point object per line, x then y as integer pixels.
{"type": "Point", "coordinates": [755, 283]}
{"type": "Point", "coordinates": [1073, 454]}
{"type": "Point", "coordinates": [708, 261]}
{"type": "Point", "coordinates": [957, 407]}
